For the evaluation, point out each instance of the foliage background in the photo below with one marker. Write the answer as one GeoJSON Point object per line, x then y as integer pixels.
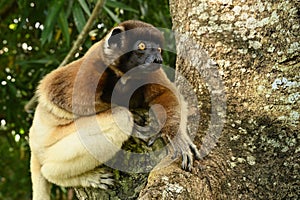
{"type": "Point", "coordinates": [35, 36]}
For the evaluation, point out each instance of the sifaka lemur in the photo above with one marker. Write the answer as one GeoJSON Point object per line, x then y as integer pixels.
{"type": "Point", "coordinates": [78, 98]}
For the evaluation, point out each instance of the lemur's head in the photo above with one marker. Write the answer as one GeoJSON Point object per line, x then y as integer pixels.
{"type": "Point", "coordinates": [135, 44]}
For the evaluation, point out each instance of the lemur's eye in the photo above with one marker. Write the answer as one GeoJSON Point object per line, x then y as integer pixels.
{"type": "Point", "coordinates": [159, 49]}
{"type": "Point", "coordinates": [142, 46]}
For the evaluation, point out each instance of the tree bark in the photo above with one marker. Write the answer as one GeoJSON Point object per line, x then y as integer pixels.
{"type": "Point", "coordinates": [248, 130]}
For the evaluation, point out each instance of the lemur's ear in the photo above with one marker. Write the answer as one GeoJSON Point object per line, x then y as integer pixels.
{"type": "Point", "coordinates": [115, 37]}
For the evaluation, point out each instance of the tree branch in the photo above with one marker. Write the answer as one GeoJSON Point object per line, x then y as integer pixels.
{"type": "Point", "coordinates": [29, 107]}
{"type": "Point", "coordinates": [81, 37]}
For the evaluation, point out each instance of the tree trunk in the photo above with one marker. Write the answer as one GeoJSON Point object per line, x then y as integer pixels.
{"type": "Point", "coordinates": [254, 153]}
{"type": "Point", "coordinates": [256, 46]}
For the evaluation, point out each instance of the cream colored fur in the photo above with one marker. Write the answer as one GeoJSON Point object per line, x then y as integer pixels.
{"type": "Point", "coordinates": [59, 153]}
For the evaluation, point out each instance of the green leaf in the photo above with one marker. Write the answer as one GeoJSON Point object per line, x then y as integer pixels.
{"type": "Point", "coordinates": [64, 26]}
{"type": "Point", "coordinates": [112, 15]}
{"type": "Point", "coordinates": [85, 7]}
{"type": "Point", "coordinates": [12, 90]}
{"type": "Point", "coordinates": [123, 6]}
{"type": "Point", "coordinates": [79, 18]}
{"type": "Point", "coordinates": [69, 8]}
{"type": "Point", "coordinates": [55, 7]}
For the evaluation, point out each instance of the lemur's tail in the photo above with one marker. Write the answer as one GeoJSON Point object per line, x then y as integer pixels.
{"type": "Point", "coordinates": [40, 186]}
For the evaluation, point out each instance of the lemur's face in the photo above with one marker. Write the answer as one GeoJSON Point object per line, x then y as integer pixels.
{"type": "Point", "coordinates": [146, 55]}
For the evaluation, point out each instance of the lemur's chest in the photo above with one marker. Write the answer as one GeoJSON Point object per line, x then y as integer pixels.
{"type": "Point", "coordinates": [130, 94]}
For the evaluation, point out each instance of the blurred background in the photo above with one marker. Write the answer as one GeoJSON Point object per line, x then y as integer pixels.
{"type": "Point", "coordinates": [35, 36]}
